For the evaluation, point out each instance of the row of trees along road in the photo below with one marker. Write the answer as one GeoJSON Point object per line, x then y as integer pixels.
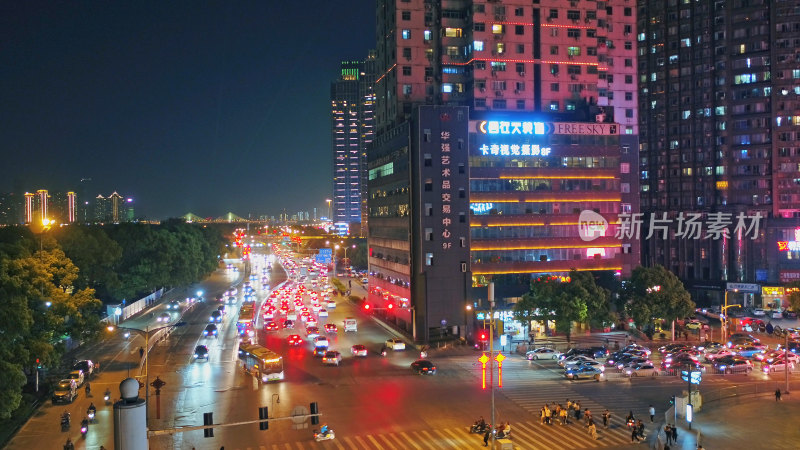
{"type": "Point", "coordinates": [53, 285]}
{"type": "Point", "coordinates": [650, 295]}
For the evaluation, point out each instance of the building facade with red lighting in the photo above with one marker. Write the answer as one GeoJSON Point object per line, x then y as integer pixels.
{"type": "Point", "coordinates": [539, 103]}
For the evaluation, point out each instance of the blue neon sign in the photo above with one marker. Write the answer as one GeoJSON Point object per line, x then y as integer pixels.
{"type": "Point", "coordinates": [508, 127]}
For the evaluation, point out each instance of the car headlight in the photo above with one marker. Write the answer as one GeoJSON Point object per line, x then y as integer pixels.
{"type": "Point", "coordinates": [195, 355]}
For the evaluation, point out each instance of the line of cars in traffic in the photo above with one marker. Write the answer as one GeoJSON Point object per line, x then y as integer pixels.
{"type": "Point", "coordinates": [66, 390]}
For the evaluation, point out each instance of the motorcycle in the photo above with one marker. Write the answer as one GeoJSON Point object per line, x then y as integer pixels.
{"type": "Point", "coordinates": [65, 421]}
{"type": "Point", "coordinates": [501, 435]}
{"type": "Point", "coordinates": [323, 436]}
{"type": "Point", "coordinates": [480, 429]}
{"type": "Point", "coordinates": [423, 355]}
{"type": "Point", "coordinates": [90, 414]}
{"type": "Point", "coordinates": [107, 397]}
{"type": "Point", "coordinates": [84, 428]}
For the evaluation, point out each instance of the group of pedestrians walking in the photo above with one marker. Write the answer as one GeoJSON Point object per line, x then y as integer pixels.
{"type": "Point", "coordinates": [564, 415]}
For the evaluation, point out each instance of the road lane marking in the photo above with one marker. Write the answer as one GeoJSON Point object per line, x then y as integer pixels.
{"type": "Point", "coordinates": [361, 441]}
{"type": "Point", "coordinates": [447, 431]}
{"type": "Point", "coordinates": [431, 440]}
{"type": "Point", "coordinates": [408, 440]}
{"type": "Point", "coordinates": [387, 441]}
{"type": "Point", "coordinates": [372, 439]}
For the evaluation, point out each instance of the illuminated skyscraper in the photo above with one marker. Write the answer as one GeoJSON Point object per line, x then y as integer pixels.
{"type": "Point", "coordinates": [72, 214]}
{"type": "Point", "coordinates": [352, 104]}
{"type": "Point", "coordinates": [41, 203]}
{"type": "Point", "coordinates": [29, 208]}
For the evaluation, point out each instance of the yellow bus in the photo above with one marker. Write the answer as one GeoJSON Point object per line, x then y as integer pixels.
{"type": "Point", "coordinates": [261, 362]}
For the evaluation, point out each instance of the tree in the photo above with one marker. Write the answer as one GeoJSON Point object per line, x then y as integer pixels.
{"type": "Point", "coordinates": [655, 293]}
{"type": "Point", "coordinates": [95, 254]}
{"type": "Point", "coordinates": [793, 290]}
{"type": "Point", "coordinates": [579, 300]}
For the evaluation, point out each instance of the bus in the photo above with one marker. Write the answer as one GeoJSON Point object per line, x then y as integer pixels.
{"type": "Point", "coordinates": [246, 317]}
{"type": "Point", "coordinates": [261, 362]}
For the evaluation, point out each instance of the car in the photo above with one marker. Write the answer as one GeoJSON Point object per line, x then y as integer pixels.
{"type": "Point", "coordinates": [642, 370]}
{"type": "Point", "coordinates": [778, 356]}
{"type": "Point", "coordinates": [288, 324]}
{"type": "Point", "coordinates": [291, 315]}
{"type": "Point", "coordinates": [320, 341]}
{"type": "Point", "coordinates": [580, 371]}
{"type": "Point", "coordinates": [395, 344]}
{"type": "Point", "coordinates": [216, 317]}
{"type": "Point", "coordinates": [715, 354]}
{"type": "Point", "coordinates": [736, 365]}
{"type": "Point", "coordinates": [294, 340]}
{"type": "Point", "coordinates": [423, 367]}
{"type": "Point", "coordinates": [311, 322]}
{"type": "Point", "coordinates": [210, 330]}
{"type": "Point", "coordinates": [269, 314]}
{"type": "Point", "coordinates": [65, 391]}
{"type": "Point", "coordinates": [589, 352]}
{"type": "Point", "coordinates": [78, 376]}
{"type": "Point", "coordinates": [222, 310]}
{"type": "Point", "coordinates": [331, 328]}
{"type": "Point", "coordinates": [320, 351]}
{"type": "Point", "coordinates": [747, 351]}
{"type": "Point", "coordinates": [312, 332]}
{"type": "Point", "coordinates": [776, 366]}
{"type": "Point", "coordinates": [164, 318]}
{"type": "Point", "coordinates": [323, 313]}
{"type": "Point", "coordinates": [271, 326]}
{"type": "Point", "coordinates": [364, 280]}
{"type": "Point", "coordinates": [758, 312]}
{"type": "Point", "coordinates": [201, 352]}
{"type": "Point", "coordinates": [693, 325]}
{"type": "Point", "coordinates": [174, 305]}
{"type": "Point", "coordinates": [632, 362]}
{"type": "Point", "coordinates": [575, 360]}
{"type": "Point", "coordinates": [331, 304]}
{"type": "Point", "coordinates": [789, 314]}
{"type": "Point", "coordinates": [86, 365]}
{"type": "Point", "coordinates": [542, 353]}
{"type": "Point", "coordinates": [679, 361]}
{"type": "Point", "coordinates": [332, 358]}
{"type": "Point", "coordinates": [358, 350]}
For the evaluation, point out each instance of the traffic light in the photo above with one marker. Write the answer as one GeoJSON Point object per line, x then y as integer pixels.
{"type": "Point", "coordinates": [314, 410]}
{"type": "Point", "coordinates": [208, 419]}
{"type": "Point", "coordinates": [483, 336]}
{"type": "Point", "coordinates": [263, 415]}
{"type": "Point", "coordinates": [672, 401]}
{"type": "Point", "coordinates": [390, 306]}
{"type": "Point", "coordinates": [366, 306]}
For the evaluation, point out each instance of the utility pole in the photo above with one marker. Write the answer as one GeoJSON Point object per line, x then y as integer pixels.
{"type": "Point", "coordinates": [491, 352]}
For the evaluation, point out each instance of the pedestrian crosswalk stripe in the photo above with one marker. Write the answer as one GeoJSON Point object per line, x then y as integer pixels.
{"type": "Point", "coordinates": [388, 442]}
{"type": "Point", "coordinates": [431, 439]}
{"type": "Point", "coordinates": [395, 439]}
{"type": "Point", "coordinates": [376, 445]}
{"type": "Point", "coordinates": [350, 442]}
{"type": "Point", "coordinates": [422, 440]}
{"type": "Point", "coordinates": [451, 434]}
{"type": "Point", "coordinates": [361, 441]}
{"type": "Point", "coordinates": [340, 446]}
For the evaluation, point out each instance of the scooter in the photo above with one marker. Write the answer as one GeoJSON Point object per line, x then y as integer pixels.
{"type": "Point", "coordinates": [65, 422]}
{"type": "Point", "coordinates": [501, 435]}
{"type": "Point", "coordinates": [84, 428]}
{"type": "Point", "coordinates": [323, 437]}
{"type": "Point", "coordinates": [107, 397]}
{"type": "Point", "coordinates": [423, 355]}
{"type": "Point", "coordinates": [90, 414]}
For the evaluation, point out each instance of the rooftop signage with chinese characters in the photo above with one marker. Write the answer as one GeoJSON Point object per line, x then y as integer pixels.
{"type": "Point", "coordinates": [508, 127]}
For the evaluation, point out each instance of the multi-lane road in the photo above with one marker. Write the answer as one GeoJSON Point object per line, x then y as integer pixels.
{"type": "Point", "coordinates": [372, 403]}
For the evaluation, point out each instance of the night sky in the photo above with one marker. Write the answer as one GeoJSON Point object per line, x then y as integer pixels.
{"type": "Point", "coordinates": [186, 106]}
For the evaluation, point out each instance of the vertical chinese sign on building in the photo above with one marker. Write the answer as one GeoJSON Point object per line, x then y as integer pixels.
{"type": "Point", "coordinates": [443, 160]}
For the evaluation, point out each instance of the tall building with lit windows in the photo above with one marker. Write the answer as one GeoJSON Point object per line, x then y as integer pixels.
{"type": "Point", "coordinates": [352, 121]}
{"type": "Point", "coordinates": [720, 123]}
{"type": "Point", "coordinates": [503, 129]}
{"type": "Point", "coordinates": [29, 208]}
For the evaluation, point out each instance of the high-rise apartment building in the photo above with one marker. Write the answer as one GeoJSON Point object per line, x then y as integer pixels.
{"type": "Point", "coordinates": [720, 123]}
{"type": "Point", "coordinates": [28, 208]}
{"type": "Point", "coordinates": [506, 148]}
{"type": "Point", "coordinates": [352, 104]}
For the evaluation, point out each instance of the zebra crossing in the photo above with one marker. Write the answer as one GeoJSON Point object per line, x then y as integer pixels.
{"type": "Point", "coordinates": [526, 435]}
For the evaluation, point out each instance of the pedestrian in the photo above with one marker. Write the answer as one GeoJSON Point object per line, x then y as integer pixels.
{"type": "Point", "coordinates": [486, 436]}
{"type": "Point", "coordinates": [587, 416]}
{"type": "Point", "coordinates": [577, 407]}
{"type": "Point", "coordinates": [564, 416]}
{"type": "Point", "coordinates": [674, 431]}
{"type": "Point", "coordinates": [542, 414]}
{"type": "Point", "coordinates": [592, 430]}
{"type": "Point", "coordinates": [634, 435]}
{"type": "Point", "coordinates": [569, 404]}
{"type": "Point", "coordinates": [652, 412]}
{"type": "Point", "coordinates": [548, 415]}
{"type": "Point", "coordinates": [141, 353]}
{"type": "Point", "coordinates": [606, 416]}
{"type": "Point", "coordinates": [640, 429]}
{"type": "Point", "coordinates": [668, 432]}
{"type": "Point", "coordinates": [686, 335]}
{"type": "Point", "coordinates": [777, 394]}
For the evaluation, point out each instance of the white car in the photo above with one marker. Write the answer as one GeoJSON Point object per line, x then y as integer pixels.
{"type": "Point", "coordinates": [164, 318]}
{"type": "Point", "coordinates": [542, 353]}
{"type": "Point", "coordinates": [323, 313]}
{"type": "Point", "coordinates": [321, 341]}
{"type": "Point", "coordinates": [331, 304]}
{"type": "Point", "coordinates": [572, 360]}
{"type": "Point", "coordinates": [642, 370]}
{"type": "Point", "coordinates": [395, 344]}
{"type": "Point", "coordinates": [777, 315]}
{"type": "Point", "coordinates": [759, 312]}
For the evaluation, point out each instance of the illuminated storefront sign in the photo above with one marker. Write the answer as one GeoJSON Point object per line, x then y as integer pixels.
{"type": "Point", "coordinates": [773, 291]}
{"type": "Point", "coordinates": [481, 208]}
{"type": "Point", "coordinates": [514, 150]}
{"type": "Point", "coordinates": [503, 127]}
{"type": "Point", "coordinates": [787, 276]}
{"type": "Point", "coordinates": [791, 246]}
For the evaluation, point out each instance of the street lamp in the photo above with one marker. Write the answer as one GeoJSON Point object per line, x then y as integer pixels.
{"type": "Point", "coordinates": [146, 333]}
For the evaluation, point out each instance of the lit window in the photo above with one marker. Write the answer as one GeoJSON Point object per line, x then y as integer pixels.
{"type": "Point", "coordinates": [452, 32]}
{"type": "Point", "coordinates": [497, 28]}
{"type": "Point", "coordinates": [553, 106]}
{"type": "Point", "coordinates": [406, 34]}
{"type": "Point", "coordinates": [478, 46]}
{"type": "Point", "coordinates": [447, 87]}
{"type": "Point", "coordinates": [427, 35]}
{"type": "Point", "coordinates": [573, 51]}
